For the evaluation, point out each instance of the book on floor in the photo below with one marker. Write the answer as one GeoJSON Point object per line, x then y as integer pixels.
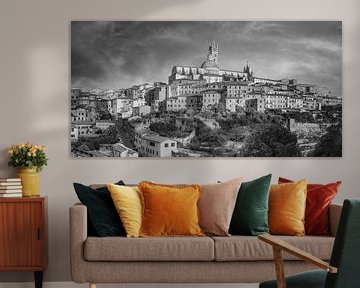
{"type": "Point", "coordinates": [10, 195]}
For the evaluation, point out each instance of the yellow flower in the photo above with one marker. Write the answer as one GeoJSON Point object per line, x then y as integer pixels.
{"type": "Point", "coordinates": [29, 154]}
{"type": "Point", "coordinates": [11, 151]}
{"type": "Point", "coordinates": [41, 147]}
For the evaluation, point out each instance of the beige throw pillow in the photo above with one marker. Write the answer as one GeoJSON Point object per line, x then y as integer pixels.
{"type": "Point", "coordinates": [216, 205]}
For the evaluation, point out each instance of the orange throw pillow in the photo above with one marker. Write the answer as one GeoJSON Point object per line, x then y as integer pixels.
{"type": "Point", "coordinates": [169, 210]}
{"type": "Point", "coordinates": [319, 197]}
{"type": "Point", "coordinates": [287, 204]}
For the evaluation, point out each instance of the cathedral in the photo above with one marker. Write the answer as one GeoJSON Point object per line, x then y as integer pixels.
{"type": "Point", "coordinates": [209, 70]}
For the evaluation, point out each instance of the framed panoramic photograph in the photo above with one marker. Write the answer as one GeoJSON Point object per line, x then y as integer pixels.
{"type": "Point", "coordinates": [206, 89]}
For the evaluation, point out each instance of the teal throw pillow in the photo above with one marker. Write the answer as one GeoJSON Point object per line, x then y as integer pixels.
{"type": "Point", "coordinates": [250, 216]}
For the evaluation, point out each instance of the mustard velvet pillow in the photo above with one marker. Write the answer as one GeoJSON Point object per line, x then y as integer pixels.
{"type": "Point", "coordinates": [127, 201]}
{"type": "Point", "coordinates": [169, 210]}
{"type": "Point", "coordinates": [287, 204]}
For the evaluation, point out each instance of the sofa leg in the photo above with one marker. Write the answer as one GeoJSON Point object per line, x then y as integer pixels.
{"type": "Point", "coordinates": [92, 285]}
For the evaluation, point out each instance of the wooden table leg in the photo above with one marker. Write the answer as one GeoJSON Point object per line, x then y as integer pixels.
{"type": "Point", "coordinates": [38, 279]}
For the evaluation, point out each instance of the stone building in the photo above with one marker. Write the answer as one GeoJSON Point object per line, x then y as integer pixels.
{"type": "Point", "coordinates": [231, 103]}
{"type": "Point", "coordinates": [75, 95]}
{"type": "Point", "coordinates": [210, 98]}
{"type": "Point", "coordinates": [104, 124]}
{"type": "Point", "coordinates": [150, 144]}
{"type": "Point", "coordinates": [84, 128]}
{"type": "Point", "coordinates": [141, 110]}
{"type": "Point", "coordinates": [175, 103]}
{"type": "Point", "coordinates": [275, 101]}
{"type": "Point", "coordinates": [255, 105]}
{"type": "Point", "coordinates": [194, 102]}
{"type": "Point", "coordinates": [74, 134]}
{"type": "Point", "coordinates": [78, 115]}
{"type": "Point", "coordinates": [331, 101]}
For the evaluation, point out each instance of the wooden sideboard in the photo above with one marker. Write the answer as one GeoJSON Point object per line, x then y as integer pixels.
{"type": "Point", "coordinates": [23, 235]}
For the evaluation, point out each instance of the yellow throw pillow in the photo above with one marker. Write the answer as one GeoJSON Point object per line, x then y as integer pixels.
{"type": "Point", "coordinates": [169, 210]}
{"type": "Point", "coordinates": [287, 204]}
{"type": "Point", "coordinates": [127, 201]}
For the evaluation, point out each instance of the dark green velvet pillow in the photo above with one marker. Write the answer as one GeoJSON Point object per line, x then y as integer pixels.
{"type": "Point", "coordinates": [250, 216]}
{"type": "Point", "coordinates": [103, 218]}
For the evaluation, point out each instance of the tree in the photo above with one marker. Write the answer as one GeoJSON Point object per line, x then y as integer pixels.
{"type": "Point", "coordinates": [164, 129]}
{"type": "Point", "coordinates": [105, 115]}
{"type": "Point", "coordinates": [302, 117]}
{"type": "Point", "coordinates": [271, 140]}
{"type": "Point", "coordinates": [111, 131]}
{"type": "Point", "coordinates": [330, 144]}
{"type": "Point", "coordinates": [209, 138]}
{"type": "Point", "coordinates": [219, 108]}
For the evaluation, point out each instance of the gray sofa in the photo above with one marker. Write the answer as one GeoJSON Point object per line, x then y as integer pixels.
{"type": "Point", "coordinates": [234, 259]}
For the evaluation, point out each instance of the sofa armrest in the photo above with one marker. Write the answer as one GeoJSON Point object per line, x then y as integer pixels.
{"type": "Point", "coordinates": [78, 235]}
{"type": "Point", "coordinates": [334, 217]}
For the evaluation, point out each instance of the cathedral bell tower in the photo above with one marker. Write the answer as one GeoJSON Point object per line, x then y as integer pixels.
{"type": "Point", "coordinates": [213, 54]}
{"type": "Point", "coordinates": [248, 70]}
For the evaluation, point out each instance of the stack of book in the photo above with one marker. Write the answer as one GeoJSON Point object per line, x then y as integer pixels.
{"type": "Point", "coordinates": [10, 187]}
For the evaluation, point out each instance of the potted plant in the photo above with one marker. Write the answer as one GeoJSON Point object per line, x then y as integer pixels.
{"type": "Point", "coordinates": [30, 158]}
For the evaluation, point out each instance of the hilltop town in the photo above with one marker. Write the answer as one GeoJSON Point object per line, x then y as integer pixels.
{"type": "Point", "coordinates": [204, 111]}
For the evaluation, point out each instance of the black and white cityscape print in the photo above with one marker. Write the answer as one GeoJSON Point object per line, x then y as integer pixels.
{"type": "Point", "coordinates": [206, 89]}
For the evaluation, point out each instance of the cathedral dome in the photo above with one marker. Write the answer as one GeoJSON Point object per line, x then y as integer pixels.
{"type": "Point", "coordinates": [209, 64]}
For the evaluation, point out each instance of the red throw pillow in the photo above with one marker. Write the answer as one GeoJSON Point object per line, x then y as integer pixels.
{"type": "Point", "coordinates": [319, 197]}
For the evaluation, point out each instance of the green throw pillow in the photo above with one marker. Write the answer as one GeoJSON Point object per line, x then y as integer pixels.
{"type": "Point", "coordinates": [250, 216]}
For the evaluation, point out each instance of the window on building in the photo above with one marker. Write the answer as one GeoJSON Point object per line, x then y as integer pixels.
{"type": "Point", "coordinates": [152, 143]}
{"type": "Point", "coordinates": [172, 144]}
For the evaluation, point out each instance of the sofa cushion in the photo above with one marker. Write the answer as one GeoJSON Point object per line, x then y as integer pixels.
{"type": "Point", "coordinates": [216, 206]}
{"type": "Point", "coordinates": [169, 210]}
{"type": "Point", "coordinates": [127, 201]}
{"type": "Point", "coordinates": [149, 249]}
{"type": "Point", "coordinates": [243, 248]}
{"type": "Point", "coordinates": [318, 200]}
{"type": "Point", "coordinates": [103, 218]}
{"type": "Point", "coordinates": [250, 216]}
{"type": "Point", "coordinates": [287, 204]}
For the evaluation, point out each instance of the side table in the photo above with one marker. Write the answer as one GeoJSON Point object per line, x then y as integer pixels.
{"type": "Point", "coordinates": [23, 235]}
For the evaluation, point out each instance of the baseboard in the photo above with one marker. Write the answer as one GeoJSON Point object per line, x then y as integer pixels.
{"type": "Point", "coordinates": [74, 285]}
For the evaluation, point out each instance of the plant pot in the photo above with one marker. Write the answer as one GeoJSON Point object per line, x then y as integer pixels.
{"type": "Point", "coordinates": [30, 181]}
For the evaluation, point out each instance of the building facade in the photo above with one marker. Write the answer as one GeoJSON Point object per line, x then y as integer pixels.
{"type": "Point", "coordinates": [150, 144]}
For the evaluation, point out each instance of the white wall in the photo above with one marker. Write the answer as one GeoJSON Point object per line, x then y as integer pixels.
{"type": "Point", "coordinates": [34, 82]}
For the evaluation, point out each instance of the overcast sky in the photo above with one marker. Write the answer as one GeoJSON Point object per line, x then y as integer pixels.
{"type": "Point", "coordinates": [122, 54]}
